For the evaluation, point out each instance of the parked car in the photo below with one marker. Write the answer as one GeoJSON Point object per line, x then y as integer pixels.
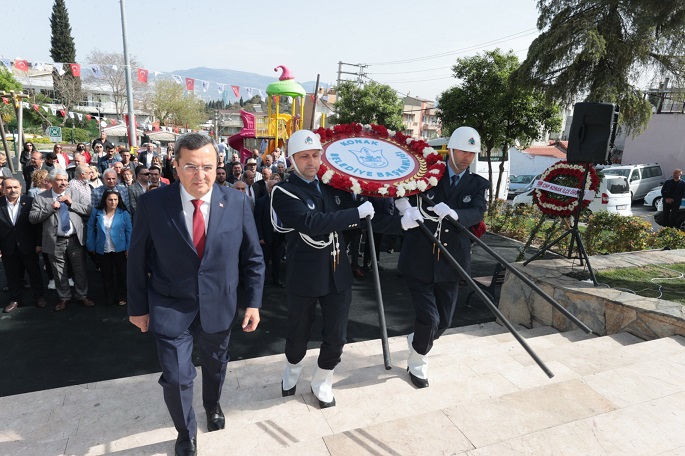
{"type": "Point", "coordinates": [680, 222]}
{"type": "Point", "coordinates": [653, 198]}
{"type": "Point", "coordinates": [642, 178]}
{"type": "Point", "coordinates": [517, 184]}
{"type": "Point", "coordinates": [613, 196]}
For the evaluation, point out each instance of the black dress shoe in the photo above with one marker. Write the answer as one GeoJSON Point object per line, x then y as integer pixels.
{"type": "Point", "coordinates": [215, 419]}
{"type": "Point", "coordinates": [286, 393]}
{"type": "Point", "coordinates": [323, 405]}
{"type": "Point", "coordinates": [418, 382]}
{"type": "Point", "coordinates": [186, 447]}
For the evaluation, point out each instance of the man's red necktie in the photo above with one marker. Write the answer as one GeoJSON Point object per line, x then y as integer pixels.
{"type": "Point", "coordinates": [199, 235]}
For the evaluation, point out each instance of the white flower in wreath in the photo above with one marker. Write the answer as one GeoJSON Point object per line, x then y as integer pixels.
{"type": "Point", "coordinates": [400, 191]}
{"type": "Point", "coordinates": [356, 187]}
{"type": "Point", "coordinates": [434, 171]}
{"type": "Point", "coordinates": [391, 133]}
{"type": "Point", "coordinates": [383, 190]}
{"type": "Point", "coordinates": [411, 185]}
{"type": "Point", "coordinates": [422, 185]}
{"type": "Point", "coordinates": [409, 140]}
{"type": "Point", "coordinates": [327, 176]}
{"type": "Point", "coordinates": [366, 127]}
{"type": "Point", "coordinates": [432, 181]}
{"type": "Point", "coordinates": [318, 136]}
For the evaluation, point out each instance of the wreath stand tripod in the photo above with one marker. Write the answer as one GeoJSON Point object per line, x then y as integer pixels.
{"type": "Point", "coordinates": [574, 233]}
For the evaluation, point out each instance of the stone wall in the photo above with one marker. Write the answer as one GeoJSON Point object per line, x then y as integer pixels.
{"type": "Point", "coordinates": [604, 310]}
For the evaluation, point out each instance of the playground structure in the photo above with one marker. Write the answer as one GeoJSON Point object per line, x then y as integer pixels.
{"type": "Point", "coordinates": [277, 127]}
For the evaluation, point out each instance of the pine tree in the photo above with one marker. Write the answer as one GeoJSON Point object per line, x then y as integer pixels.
{"type": "Point", "coordinates": [62, 50]}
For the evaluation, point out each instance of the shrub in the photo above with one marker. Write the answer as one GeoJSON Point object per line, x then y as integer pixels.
{"type": "Point", "coordinates": [667, 238]}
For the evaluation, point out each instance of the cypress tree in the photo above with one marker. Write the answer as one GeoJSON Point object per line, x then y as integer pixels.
{"type": "Point", "coordinates": [62, 48]}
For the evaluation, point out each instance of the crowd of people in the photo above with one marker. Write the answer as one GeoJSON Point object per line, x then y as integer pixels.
{"type": "Point", "coordinates": [176, 255]}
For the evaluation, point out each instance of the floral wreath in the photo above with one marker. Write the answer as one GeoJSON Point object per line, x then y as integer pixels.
{"type": "Point", "coordinates": [430, 171]}
{"type": "Point", "coordinates": [567, 175]}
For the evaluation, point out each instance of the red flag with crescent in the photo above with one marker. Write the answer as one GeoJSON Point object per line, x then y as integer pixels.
{"type": "Point", "coordinates": [88, 116]}
{"type": "Point", "coordinates": [21, 65]}
{"type": "Point", "coordinates": [190, 84]}
{"type": "Point", "coordinates": [36, 107]}
{"type": "Point", "coordinates": [113, 121]}
{"type": "Point", "coordinates": [142, 75]}
{"type": "Point", "coordinates": [236, 91]}
{"type": "Point", "coordinates": [75, 69]}
{"type": "Point", "coordinates": [63, 113]}
{"type": "Point", "coordinates": [5, 100]}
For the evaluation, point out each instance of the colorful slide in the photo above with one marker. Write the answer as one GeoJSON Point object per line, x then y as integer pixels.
{"type": "Point", "coordinates": [237, 141]}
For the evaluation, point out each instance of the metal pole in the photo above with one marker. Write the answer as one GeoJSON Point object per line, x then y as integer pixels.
{"type": "Point", "coordinates": [19, 144]}
{"type": "Point", "coordinates": [4, 143]}
{"type": "Point", "coordinates": [316, 93]}
{"type": "Point", "coordinates": [133, 140]}
{"type": "Point", "coordinates": [485, 299]}
{"type": "Point", "coordinates": [379, 295]}
{"type": "Point", "coordinates": [514, 271]}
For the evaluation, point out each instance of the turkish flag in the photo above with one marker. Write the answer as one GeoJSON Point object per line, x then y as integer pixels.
{"type": "Point", "coordinates": [63, 113]}
{"type": "Point", "coordinates": [176, 130]}
{"type": "Point", "coordinates": [190, 84]}
{"type": "Point", "coordinates": [236, 91]}
{"type": "Point", "coordinates": [113, 122]}
{"type": "Point", "coordinates": [142, 75]}
{"type": "Point", "coordinates": [88, 116]}
{"type": "Point", "coordinates": [155, 126]}
{"type": "Point", "coordinates": [6, 101]}
{"type": "Point", "coordinates": [21, 65]}
{"type": "Point", "coordinates": [36, 107]}
{"type": "Point", "coordinates": [75, 69]}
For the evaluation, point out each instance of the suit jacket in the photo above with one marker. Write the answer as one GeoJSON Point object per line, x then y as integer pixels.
{"type": "Point", "coordinates": [262, 215]}
{"type": "Point", "coordinates": [310, 270]}
{"type": "Point", "coordinates": [166, 278]}
{"type": "Point", "coordinates": [259, 189]}
{"type": "Point", "coordinates": [43, 212]}
{"type": "Point", "coordinates": [120, 231]}
{"type": "Point", "coordinates": [23, 234]}
{"type": "Point", "coordinates": [418, 258]}
{"type": "Point", "coordinates": [134, 192]}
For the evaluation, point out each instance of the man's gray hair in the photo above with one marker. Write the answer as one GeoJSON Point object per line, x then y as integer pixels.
{"type": "Point", "coordinates": [82, 169]}
{"type": "Point", "coordinates": [58, 172]}
{"type": "Point", "coordinates": [109, 171]}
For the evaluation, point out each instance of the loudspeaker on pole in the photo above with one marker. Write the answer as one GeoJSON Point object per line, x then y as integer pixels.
{"type": "Point", "coordinates": [592, 133]}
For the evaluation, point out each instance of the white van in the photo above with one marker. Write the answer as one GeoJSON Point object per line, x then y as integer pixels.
{"type": "Point", "coordinates": [642, 178]}
{"type": "Point", "coordinates": [613, 196]}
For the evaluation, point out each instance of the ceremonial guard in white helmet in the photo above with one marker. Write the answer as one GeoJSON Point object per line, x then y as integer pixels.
{"type": "Point", "coordinates": [314, 217]}
{"type": "Point", "coordinates": [432, 281]}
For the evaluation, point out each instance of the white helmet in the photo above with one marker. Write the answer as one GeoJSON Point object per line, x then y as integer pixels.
{"type": "Point", "coordinates": [303, 140]}
{"type": "Point", "coordinates": [466, 139]}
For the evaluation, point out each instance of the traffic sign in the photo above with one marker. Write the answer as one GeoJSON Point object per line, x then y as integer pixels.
{"type": "Point", "coordinates": [55, 134]}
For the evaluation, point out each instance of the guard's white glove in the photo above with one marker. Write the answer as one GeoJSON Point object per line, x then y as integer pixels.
{"type": "Point", "coordinates": [402, 204]}
{"type": "Point", "coordinates": [442, 210]}
{"type": "Point", "coordinates": [411, 218]}
{"type": "Point", "coordinates": [365, 209]}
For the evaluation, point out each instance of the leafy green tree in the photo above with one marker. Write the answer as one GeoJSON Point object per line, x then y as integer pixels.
{"type": "Point", "coordinates": [8, 83]}
{"type": "Point", "coordinates": [171, 105]}
{"type": "Point", "coordinates": [488, 100]}
{"type": "Point", "coordinates": [372, 103]}
{"type": "Point", "coordinates": [63, 50]}
{"type": "Point", "coordinates": [597, 49]}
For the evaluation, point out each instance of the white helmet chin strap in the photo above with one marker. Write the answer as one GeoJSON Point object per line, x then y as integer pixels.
{"type": "Point", "coordinates": [293, 163]}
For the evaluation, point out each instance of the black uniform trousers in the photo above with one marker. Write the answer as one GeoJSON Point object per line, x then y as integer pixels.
{"type": "Point", "coordinates": [15, 265]}
{"type": "Point", "coordinates": [273, 251]}
{"type": "Point", "coordinates": [434, 304]}
{"type": "Point", "coordinates": [178, 372]}
{"type": "Point", "coordinates": [113, 267]}
{"type": "Point", "coordinates": [335, 308]}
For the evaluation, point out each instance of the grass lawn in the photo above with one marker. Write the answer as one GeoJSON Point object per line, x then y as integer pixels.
{"type": "Point", "coordinates": [665, 282]}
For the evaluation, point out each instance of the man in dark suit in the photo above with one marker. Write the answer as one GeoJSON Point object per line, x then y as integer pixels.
{"type": "Point", "coordinates": [433, 283]}
{"type": "Point", "coordinates": [315, 215]}
{"type": "Point", "coordinates": [20, 242]}
{"type": "Point", "coordinates": [190, 239]}
{"type": "Point", "coordinates": [270, 239]}
{"type": "Point", "coordinates": [36, 162]}
{"type": "Point", "coordinates": [672, 193]}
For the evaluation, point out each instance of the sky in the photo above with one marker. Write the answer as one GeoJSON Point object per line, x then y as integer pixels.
{"type": "Point", "coordinates": [409, 45]}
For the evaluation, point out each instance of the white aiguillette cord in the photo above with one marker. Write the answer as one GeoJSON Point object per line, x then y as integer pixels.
{"type": "Point", "coordinates": [333, 240]}
{"type": "Point", "coordinates": [432, 218]}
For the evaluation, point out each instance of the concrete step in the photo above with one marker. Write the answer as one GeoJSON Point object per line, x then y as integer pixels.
{"type": "Point", "coordinates": [486, 397]}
